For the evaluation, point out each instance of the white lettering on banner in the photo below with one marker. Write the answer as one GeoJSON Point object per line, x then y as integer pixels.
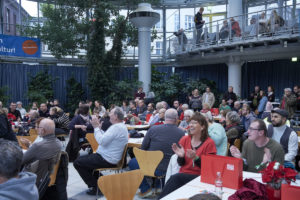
{"type": "Point", "coordinates": [1, 41]}
{"type": "Point", "coordinates": [8, 50]}
{"type": "Point", "coordinates": [230, 167]}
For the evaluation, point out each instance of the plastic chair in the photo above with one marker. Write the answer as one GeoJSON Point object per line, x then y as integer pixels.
{"type": "Point", "coordinates": [148, 162]}
{"type": "Point", "coordinates": [31, 138]}
{"type": "Point", "coordinates": [120, 186]}
{"type": "Point", "coordinates": [92, 140]}
{"type": "Point", "coordinates": [54, 172]}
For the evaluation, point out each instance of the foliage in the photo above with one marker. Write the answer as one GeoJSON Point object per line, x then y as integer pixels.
{"type": "Point", "coordinates": [3, 95]}
{"type": "Point", "coordinates": [75, 93]}
{"type": "Point", "coordinates": [40, 87]}
{"type": "Point", "coordinates": [122, 90]}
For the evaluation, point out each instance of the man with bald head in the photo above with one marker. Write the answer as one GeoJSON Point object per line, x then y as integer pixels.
{"type": "Point", "coordinates": [160, 137]}
{"type": "Point", "coordinates": [45, 152]}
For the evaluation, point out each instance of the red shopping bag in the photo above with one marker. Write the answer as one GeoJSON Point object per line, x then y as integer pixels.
{"type": "Point", "coordinates": [231, 170]}
{"type": "Point", "coordinates": [214, 111]}
{"type": "Point", "coordinates": [290, 192]}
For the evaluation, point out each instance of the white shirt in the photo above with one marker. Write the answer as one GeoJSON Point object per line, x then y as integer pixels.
{"type": "Point", "coordinates": [112, 142]}
{"type": "Point", "coordinates": [293, 142]}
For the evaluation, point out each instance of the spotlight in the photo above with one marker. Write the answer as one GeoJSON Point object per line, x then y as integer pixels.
{"type": "Point", "coordinates": [294, 59]}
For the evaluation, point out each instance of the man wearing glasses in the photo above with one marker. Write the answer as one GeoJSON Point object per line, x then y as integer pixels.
{"type": "Point", "coordinates": [258, 149]}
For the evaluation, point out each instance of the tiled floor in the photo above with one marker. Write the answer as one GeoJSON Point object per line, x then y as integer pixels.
{"type": "Point", "coordinates": [77, 188]}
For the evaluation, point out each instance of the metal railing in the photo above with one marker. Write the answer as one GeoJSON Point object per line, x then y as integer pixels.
{"type": "Point", "coordinates": [248, 27]}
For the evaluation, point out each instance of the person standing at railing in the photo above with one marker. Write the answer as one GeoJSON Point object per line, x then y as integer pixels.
{"type": "Point", "coordinates": [199, 22]}
{"type": "Point", "coordinates": [182, 39]}
{"type": "Point", "coordinates": [235, 28]}
{"type": "Point", "coordinates": [224, 32]}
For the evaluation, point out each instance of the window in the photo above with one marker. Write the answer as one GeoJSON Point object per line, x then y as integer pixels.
{"type": "Point", "coordinates": [158, 48]}
{"type": "Point", "coordinates": [188, 21]}
{"type": "Point", "coordinates": [176, 23]}
{"type": "Point", "coordinates": [7, 20]}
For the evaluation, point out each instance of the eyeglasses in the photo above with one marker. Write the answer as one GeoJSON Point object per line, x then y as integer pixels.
{"type": "Point", "coordinates": [254, 129]}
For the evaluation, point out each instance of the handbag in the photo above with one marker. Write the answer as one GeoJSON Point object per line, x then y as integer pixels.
{"type": "Point", "coordinates": [290, 192]}
{"type": "Point", "coordinates": [231, 170]}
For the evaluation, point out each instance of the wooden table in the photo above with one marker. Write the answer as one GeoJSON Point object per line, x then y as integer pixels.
{"type": "Point", "coordinates": [195, 187]}
{"type": "Point", "coordinates": [135, 142]}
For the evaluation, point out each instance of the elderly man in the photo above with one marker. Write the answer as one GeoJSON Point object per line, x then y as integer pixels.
{"type": "Point", "coordinates": [208, 97]}
{"type": "Point", "coordinates": [283, 134]}
{"type": "Point", "coordinates": [21, 109]}
{"type": "Point", "coordinates": [141, 108]}
{"type": "Point", "coordinates": [110, 150]}
{"type": "Point", "coordinates": [13, 184]}
{"type": "Point", "coordinates": [289, 102]}
{"type": "Point", "coordinates": [45, 152]}
{"type": "Point", "coordinates": [258, 149]}
{"type": "Point", "coordinates": [155, 115]}
{"type": "Point", "coordinates": [161, 138]}
{"type": "Point", "coordinates": [44, 112]}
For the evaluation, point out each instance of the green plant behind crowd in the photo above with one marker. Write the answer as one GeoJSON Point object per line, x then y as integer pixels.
{"type": "Point", "coordinates": [75, 94]}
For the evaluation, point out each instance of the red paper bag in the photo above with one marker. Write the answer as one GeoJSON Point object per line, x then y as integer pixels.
{"type": "Point", "coordinates": [289, 192]}
{"type": "Point", "coordinates": [231, 170]}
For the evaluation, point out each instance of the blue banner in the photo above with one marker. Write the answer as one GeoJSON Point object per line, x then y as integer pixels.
{"type": "Point", "coordinates": [20, 46]}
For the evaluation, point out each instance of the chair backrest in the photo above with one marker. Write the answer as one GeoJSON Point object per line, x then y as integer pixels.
{"type": "Point", "coordinates": [121, 162]}
{"type": "Point", "coordinates": [148, 160]}
{"type": "Point", "coordinates": [33, 131]}
{"type": "Point", "coordinates": [31, 138]}
{"type": "Point", "coordinates": [237, 143]}
{"type": "Point", "coordinates": [92, 140]}
{"type": "Point", "coordinates": [54, 172]}
{"type": "Point", "coordinates": [148, 116]}
{"type": "Point", "coordinates": [120, 186]}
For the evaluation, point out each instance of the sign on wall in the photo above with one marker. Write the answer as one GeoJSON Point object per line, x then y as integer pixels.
{"type": "Point", "coordinates": [20, 46]}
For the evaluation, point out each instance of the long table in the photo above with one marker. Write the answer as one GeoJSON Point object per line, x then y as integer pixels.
{"type": "Point", "coordinates": [195, 187]}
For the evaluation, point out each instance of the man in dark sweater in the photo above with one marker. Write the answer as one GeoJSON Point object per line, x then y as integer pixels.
{"type": "Point", "coordinates": [44, 112]}
{"type": "Point", "coordinates": [160, 137]}
{"type": "Point", "coordinates": [13, 110]}
{"type": "Point", "coordinates": [230, 96]}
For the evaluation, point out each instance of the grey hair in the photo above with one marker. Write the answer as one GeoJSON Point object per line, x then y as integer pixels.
{"type": "Point", "coordinates": [171, 114]}
{"type": "Point", "coordinates": [35, 114]}
{"type": "Point", "coordinates": [118, 111]}
{"type": "Point", "coordinates": [233, 117]}
{"type": "Point", "coordinates": [185, 106]}
{"type": "Point", "coordinates": [11, 158]}
{"type": "Point", "coordinates": [159, 106]}
{"type": "Point", "coordinates": [189, 113]}
{"type": "Point", "coordinates": [288, 89]}
{"type": "Point", "coordinates": [19, 102]}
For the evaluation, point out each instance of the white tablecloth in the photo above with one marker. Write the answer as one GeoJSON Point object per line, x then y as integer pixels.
{"type": "Point", "coordinates": [195, 187]}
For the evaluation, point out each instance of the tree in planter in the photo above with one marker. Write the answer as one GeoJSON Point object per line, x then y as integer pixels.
{"type": "Point", "coordinates": [75, 93]}
{"type": "Point", "coordinates": [40, 87]}
{"type": "Point", "coordinates": [3, 96]}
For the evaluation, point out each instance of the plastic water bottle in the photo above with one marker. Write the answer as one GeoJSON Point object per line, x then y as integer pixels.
{"type": "Point", "coordinates": [218, 185]}
{"type": "Point", "coordinates": [132, 122]}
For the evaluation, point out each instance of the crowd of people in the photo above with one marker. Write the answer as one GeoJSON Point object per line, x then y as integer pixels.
{"type": "Point", "coordinates": [183, 131]}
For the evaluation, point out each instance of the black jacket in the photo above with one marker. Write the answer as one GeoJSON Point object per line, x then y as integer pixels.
{"type": "Point", "coordinates": [6, 131]}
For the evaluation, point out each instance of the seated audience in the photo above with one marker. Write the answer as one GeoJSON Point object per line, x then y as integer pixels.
{"type": "Point", "coordinates": [105, 121]}
{"type": "Point", "coordinates": [155, 116]}
{"type": "Point", "coordinates": [237, 107]}
{"type": "Point", "coordinates": [148, 112]}
{"type": "Point", "coordinates": [233, 128]}
{"type": "Point", "coordinates": [206, 110]}
{"type": "Point", "coordinates": [247, 116]}
{"type": "Point", "coordinates": [255, 98]}
{"type": "Point", "coordinates": [125, 106]}
{"type": "Point", "coordinates": [177, 107]}
{"type": "Point", "coordinates": [267, 112]}
{"type": "Point", "coordinates": [289, 102]}
{"type": "Point", "coordinates": [132, 108]}
{"type": "Point", "coordinates": [61, 120]}
{"type": "Point", "coordinates": [100, 107]}
{"type": "Point", "coordinates": [80, 124]}
{"type": "Point", "coordinates": [13, 110]}
{"type": "Point", "coordinates": [44, 153]}
{"type": "Point", "coordinates": [186, 120]}
{"type": "Point", "coordinates": [34, 106]}
{"type": "Point", "coordinates": [141, 108]}
{"type": "Point", "coordinates": [283, 134]}
{"type": "Point", "coordinates": [6, 131]}
{"type": "Point", "coordinates": [208, 97]}
{"type": "Point", "coordinates": [218, 134]}
{"type": "Point", "coordinates": [184, 108]}
{"type": "Point", "coordinates": [33, 115]}
{"type": "Point", "coordinates": [110, 150]}
{"type": "Point", "coordinates": [275, 22]}
{"type": "Point", "coordinates": [21, 109]}
{"type": "Point", "coordinates": [44, 112]}
{"type": "Point", "coordinates": [56, 103]}
{"type": "Point", "coordinates": [258, 149]}
{"type": "Point", "coordinates": [189, 152]}
{"type": "Point", "coordinates": [224, 106]}
{"type": "Point", "coordinates": [159, 138]}
{"type": "Point", "coordinates": [13, 183]}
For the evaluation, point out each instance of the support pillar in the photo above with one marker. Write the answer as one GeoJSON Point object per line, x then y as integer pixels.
{"type": "Point", "coordinates": [145, 57]}
{"type": "Point", "coordinates": [235, 8]}
{"type": "Point", "coordinates": [235, 74]}
{"type": "Point", "coordinates": [164, 33]}
{"type": "Point", "coordinates": [280, 7]}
